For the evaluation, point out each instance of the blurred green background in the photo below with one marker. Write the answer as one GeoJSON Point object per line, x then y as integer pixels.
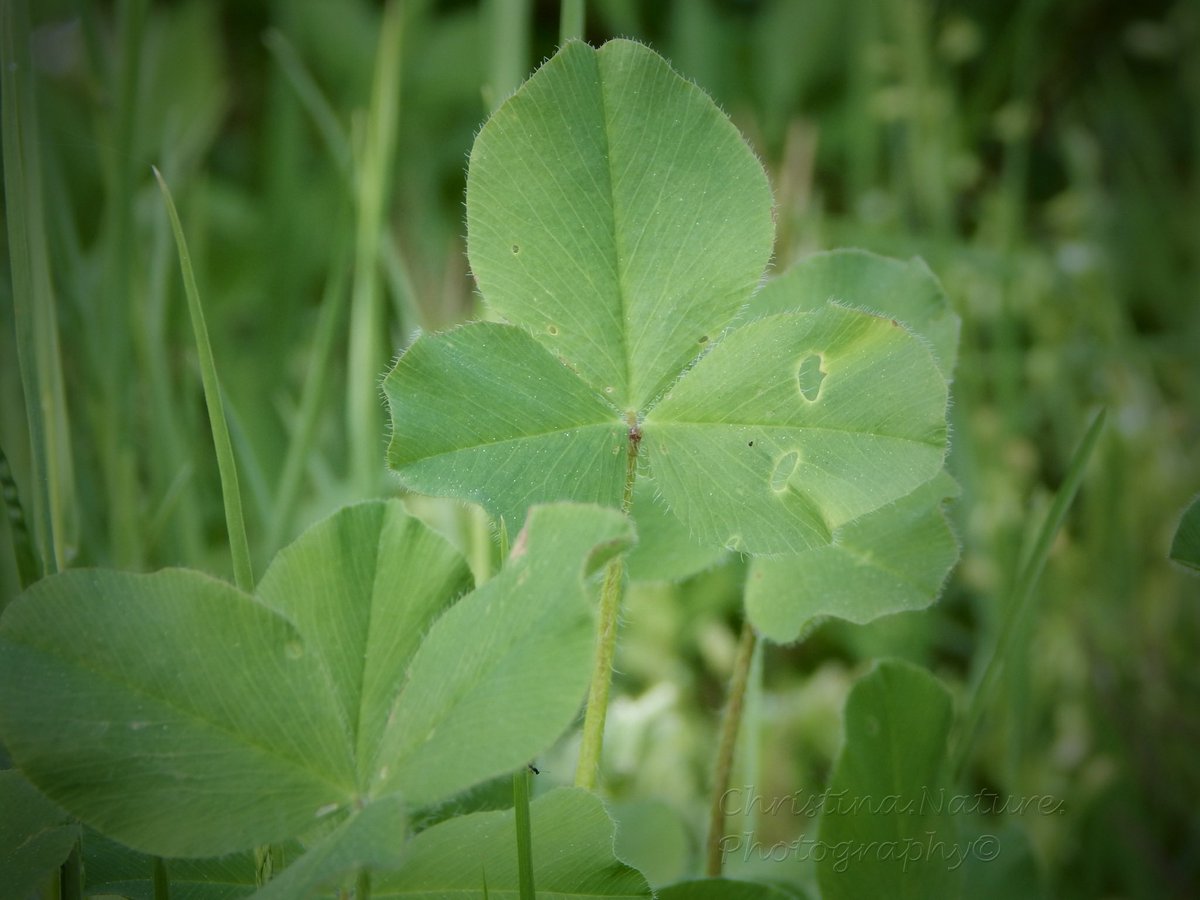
{"type": "Point", "coordinates": [1043, 157]}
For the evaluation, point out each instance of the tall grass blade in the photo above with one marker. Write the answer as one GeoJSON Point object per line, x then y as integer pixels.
{"type": "Point", "coordinates": [51, 475]}
{"type": "Point", "coordinates": [366, 353]}
{"type": "Point", "coordinates": [239, 548]}
{"type": "Point", "coordinates": [304, 430]}
{"type": "Point", "coordinates": [1030, 571]}
{"type": "Point", "coordinates": [23, 552]}
{"type": "Point", "coordinates": [524, 837]}
{"type": "Point", "coordinates": [508, 24]}
{"type": "Point", "coordinates": [571, 21]}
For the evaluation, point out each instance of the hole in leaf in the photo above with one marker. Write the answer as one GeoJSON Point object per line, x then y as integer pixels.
{"type": "Point", "coordinates": [809, 377]}
{"type": "Point", "coordinates": [552, 329]}
{"type": "Point", "coordinates": [783, 471]}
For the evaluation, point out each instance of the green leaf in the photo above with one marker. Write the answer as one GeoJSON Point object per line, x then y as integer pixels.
{"type": "Point", "coordinates": [890, 560]}
{"type": "Point", "coordinates": [572, 855]}
{"type": "Point", "coordinates": [796, 424]}
{"type": "Point", "coordinates": [617, 214]}
{"type": "Point", "coordinates": [619, 223]}
{"type": "Point", "coordinates": [886, 826]}
{"type": "Point", "coordinates": [905, 290]}
{"type": "Point", "coordinates": [185, 718]}
{"type": "Point", "coordinates": [1185, 548]}
{"type": "Point", "coordinates": [35, 835]}
{"type": "Point", "coordinates": [152, 707]}
{"type": "Point", "coordinates": [666, 549]}
{"type": "Point", "coordinates": [653, 838]}
{"type": "Point", "coordinates": [485, 413]}
{"type": "Point", "coordinates": [1002, 864]}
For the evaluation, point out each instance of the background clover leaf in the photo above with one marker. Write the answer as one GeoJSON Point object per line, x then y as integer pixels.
{"type": "Point", "coordinates": [184, 717]}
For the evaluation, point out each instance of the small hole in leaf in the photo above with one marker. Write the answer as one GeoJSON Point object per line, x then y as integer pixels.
{"type": "Point", "coordinates": [783, 471]}
{"type": "Point", "coordinates": [809, 376]}
{"type": "Point", "coordinates": [552, 329]}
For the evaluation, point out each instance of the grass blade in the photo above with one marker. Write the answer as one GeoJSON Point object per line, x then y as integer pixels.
{"type": "Point", "coordinates": [305, 427]}
{"type": "Point", "coordinates": [27, 565]}
{"type": "Point", "coordinates": [1017, 608]}
{"type": "Point", "coordinates": [571, 21]}
{"type": "Point", "coordinates": [524, 838]}
{"type": "Point", "coordinates": [366, 354]}
{"type": "Point", "coordinates": [239, 548]}
{"type": "Point", "coordinates": [34, 306]}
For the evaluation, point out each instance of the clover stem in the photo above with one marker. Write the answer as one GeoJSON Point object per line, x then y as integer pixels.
{"type": "Point", "coordinates": [606, 638]}
{"type": "Point", "coordinates": [730, 724]}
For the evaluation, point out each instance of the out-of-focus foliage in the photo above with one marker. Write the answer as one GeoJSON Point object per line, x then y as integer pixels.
{"type": "Point", "coordinates": [1041, 157]}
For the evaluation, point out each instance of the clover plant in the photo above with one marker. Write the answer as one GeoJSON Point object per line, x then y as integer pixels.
{"type": "Point", "coordinates": [619, 225]}
{"type": "Point", "coordinates": [637, 383]}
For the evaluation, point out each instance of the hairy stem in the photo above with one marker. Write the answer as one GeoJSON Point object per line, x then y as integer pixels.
{"type": "Point", "coordinates": [606, 639]}
{"type": "Point", "coordinates": [730, 724]}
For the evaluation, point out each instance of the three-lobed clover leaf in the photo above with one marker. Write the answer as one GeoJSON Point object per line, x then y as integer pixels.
{"type": "Point", "coordinates": [183, 717]}
{"type": "Point", "coordinates": [620, 225]}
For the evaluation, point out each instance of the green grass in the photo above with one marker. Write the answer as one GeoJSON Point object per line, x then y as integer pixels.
{"type": "Point", "coordinates": [1043, 159]}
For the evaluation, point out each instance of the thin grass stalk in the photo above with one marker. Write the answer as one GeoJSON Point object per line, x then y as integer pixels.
{"type": "Point", "coordinates": [239, 547]}
{"type": "Point", "coordinates": [524, 835]}
{"type": "Point", "coordinates": [1019, 605]}
{"type": "Point", "coordinates": [51, 475]}
{"type": "Point", "coordinates": [305, 426]}
{"type": "Point", "coordinates": [366, 353]}
{"type": "Point", "coordinates": [308, 92]}
{"type": "Point", "coordinates": [116, 438]}
{"type": "Point", "coordinates": [169, 462]}
{"type": "Point", "coordinates": [570, 21]}
{"type": "Point", "coordinates": [18, 530]}
{"type": "Point", "coordinates": [160, 879]}
{"type": "Point", "coordinates": [727, 745]}
{"type": "Point", "coordinates": [508, 26]}
{"type": "Point", "coordinates": [926, 153]}
{"type": "Point", "coordinates": [338, 145]}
